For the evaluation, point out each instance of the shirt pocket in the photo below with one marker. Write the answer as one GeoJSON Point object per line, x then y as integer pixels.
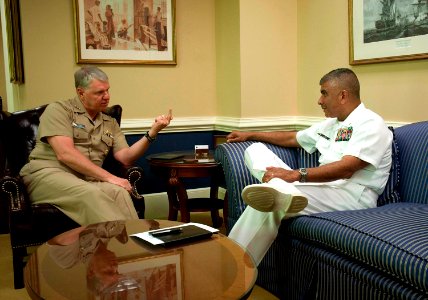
{"type": "Point", "coordinates": [80, 134]}
{"type": "Point", "coordinates": [107, 140]}
{"type": "Point", "coordinates": [106, 144]}
{"type": "Point", "coordinates": [330, 151]}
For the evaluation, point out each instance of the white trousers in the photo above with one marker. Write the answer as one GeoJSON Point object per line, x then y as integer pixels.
{"type": "Point", "coordinates": [256, 230]}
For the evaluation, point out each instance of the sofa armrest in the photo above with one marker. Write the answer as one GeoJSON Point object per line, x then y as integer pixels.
{"type": "Point", "coordinates": [237, 176]}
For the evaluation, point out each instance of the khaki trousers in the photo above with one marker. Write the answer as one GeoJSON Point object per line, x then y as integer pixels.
{"type": "Point", "coordinates": [84, 202]}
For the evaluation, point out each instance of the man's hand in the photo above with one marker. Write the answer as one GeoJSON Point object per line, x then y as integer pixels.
{"type": "Point", "coordinates": [127, 156]}
{"type": "Point", "coordinates": [120, 182]}
{"type": "Point", "coordinates": [342, 169]}
{"type": "Point", "coordinates": [162, 121]}
{"type": "Point", "coordinates": [237, 136]}
{"type": "Point", "coordinates": [286, 175]}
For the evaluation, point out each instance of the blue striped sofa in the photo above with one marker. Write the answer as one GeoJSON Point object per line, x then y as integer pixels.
{"type": "Point", "coordinates": [379, 253]}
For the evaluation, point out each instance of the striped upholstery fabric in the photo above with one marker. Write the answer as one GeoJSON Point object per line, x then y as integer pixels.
{"type": "Point", "coordinates": [306, 159]}
{"type": "Point", "coordinates": [237, 176]}
{"type": "Point", "coordinates": [412, 140]}
{"type": "Point", "coordinates": [392, 239]}
{"type": "Point", "coordinates": [231, 157]}
{"type": "Point", "coordinates": [316, 273]}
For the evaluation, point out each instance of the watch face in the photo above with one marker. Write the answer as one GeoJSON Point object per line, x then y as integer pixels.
{"type": "Point", "coordinates": [303, 174]}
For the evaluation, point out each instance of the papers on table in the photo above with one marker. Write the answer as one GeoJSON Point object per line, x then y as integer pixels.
{"type": "Point", "coordinates": [187, 231]}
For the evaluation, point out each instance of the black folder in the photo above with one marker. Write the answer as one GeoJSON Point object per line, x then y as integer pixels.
{"type": "Point", "coordinates": [167, 156]}
{"type": "Point", "coordinates": [188, 233]}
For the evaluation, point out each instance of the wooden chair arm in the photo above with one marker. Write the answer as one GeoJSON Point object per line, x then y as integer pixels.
{"type": "Point", "coordinates": [13, 189]}
{"type": "Point", "coordinates": [135, 177]}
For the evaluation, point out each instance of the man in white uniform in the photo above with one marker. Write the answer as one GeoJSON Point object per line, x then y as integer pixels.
{"type": "Point", "coordinates": [355, 148]}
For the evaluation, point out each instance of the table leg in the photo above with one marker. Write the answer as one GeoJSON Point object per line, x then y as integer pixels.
{"type": "Point", "coordinates": [182, 201]}
{"type": "Point", "coordinates": [215, 216]}
{"type": "Point", "coordinates": [173, 203]}
{"type": "Point", "coordinates": [177, 193]}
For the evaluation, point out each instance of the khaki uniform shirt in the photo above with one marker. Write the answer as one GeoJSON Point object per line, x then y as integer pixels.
{"type": "Point", "coordinates": [93, 138]}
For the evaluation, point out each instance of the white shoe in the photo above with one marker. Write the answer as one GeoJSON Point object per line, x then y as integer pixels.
{"type": "Point", "coordinates": [267, 197]}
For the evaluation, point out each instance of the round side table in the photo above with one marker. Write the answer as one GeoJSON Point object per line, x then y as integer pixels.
{"type": "Point", "coordinates": [173, 167]}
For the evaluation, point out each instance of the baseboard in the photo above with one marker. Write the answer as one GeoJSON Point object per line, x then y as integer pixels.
{"type": "Point", "coordinates": [157, 203]}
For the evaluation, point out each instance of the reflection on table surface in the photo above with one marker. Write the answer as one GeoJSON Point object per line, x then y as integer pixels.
{"type": "Point", "coordinates": [101, 261]}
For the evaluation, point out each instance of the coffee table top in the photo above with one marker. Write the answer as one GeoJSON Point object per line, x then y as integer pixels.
{"type": "Point", "coordinates": [101, 259]}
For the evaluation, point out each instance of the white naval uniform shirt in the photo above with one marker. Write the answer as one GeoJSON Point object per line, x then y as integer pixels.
{"type": "Point", "coordinates": [362, 134]}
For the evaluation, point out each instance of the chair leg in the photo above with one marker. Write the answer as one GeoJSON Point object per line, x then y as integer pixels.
{"type": "Point", "coordinates": [216, 219]}
{"type": "Point", "coordinates": [18, 267]}
{"type": "Point", "coordinates": [140, 207]}
{"type": "Point", "coordinates": [226, 212]}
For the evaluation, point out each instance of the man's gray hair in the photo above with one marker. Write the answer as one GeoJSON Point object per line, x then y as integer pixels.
{"type": "Point", "coordinates": [84, 76]}
{"type": "Point", "coordinates": [345, 78]}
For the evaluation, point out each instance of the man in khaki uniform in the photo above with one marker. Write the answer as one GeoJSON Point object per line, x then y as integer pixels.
{"type": "Point", "coordinates": [74, 138]}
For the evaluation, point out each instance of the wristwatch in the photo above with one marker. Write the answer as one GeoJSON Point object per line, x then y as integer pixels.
{"type": "Point", "coordinates": [303, 174]}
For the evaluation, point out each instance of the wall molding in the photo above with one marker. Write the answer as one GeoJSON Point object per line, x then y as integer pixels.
{"type": "Point", "coordinates": [192, 124]}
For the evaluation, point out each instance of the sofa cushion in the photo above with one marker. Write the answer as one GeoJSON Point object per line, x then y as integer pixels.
{"type": "Point", "coordinates": [391, 193]}
{"type": "Point", "coordinates": [391, 238]}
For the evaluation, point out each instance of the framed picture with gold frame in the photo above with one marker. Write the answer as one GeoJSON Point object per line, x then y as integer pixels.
{"type": "Point", "coordinates": [125, 31]}
{"type": "Point", "coordinates": [387, 31]}
{"type": "Point", "coordinates": [156, 277]}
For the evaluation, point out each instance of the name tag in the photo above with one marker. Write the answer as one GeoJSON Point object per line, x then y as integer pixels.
{"type": "Point", "coordinates": [75, 125]}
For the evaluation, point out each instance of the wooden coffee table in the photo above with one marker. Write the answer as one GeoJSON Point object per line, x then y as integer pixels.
{"type": "Point", "coordinates": [102, 260]}
{"type": "Point", "coordinates": [173, 171]}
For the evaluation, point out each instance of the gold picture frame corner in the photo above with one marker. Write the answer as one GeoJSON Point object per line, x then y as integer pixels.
{"type": "Point", "coordinates": [388, 32]}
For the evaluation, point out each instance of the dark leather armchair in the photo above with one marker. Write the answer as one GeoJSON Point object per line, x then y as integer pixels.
{"type": "Point", "coordinates": [30, 224]}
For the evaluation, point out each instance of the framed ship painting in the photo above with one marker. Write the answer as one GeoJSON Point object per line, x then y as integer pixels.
{"type": "Point", "coordinates": [125, 31]}
{"type": "Point", "coordinates": [387, 30]}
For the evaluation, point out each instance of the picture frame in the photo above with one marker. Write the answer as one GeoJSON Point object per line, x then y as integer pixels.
{"type": "Point", "coordinates": [125, 31]}
{"type": "Point", "coordinates": [387, 30]}
{"type": "Point", "coordinates": [159, 276]}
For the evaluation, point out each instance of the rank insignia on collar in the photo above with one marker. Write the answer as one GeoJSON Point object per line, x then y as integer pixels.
{"type": "Point", "coordinates": [108, 133]}
{"type": "Point", "coordinates": [344, 134]}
